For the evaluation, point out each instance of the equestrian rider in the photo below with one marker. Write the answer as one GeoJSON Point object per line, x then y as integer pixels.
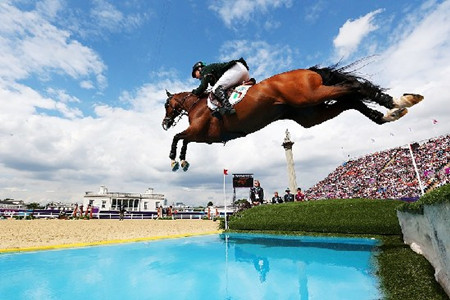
{"type": "Point", "coordinates": [220, 76]}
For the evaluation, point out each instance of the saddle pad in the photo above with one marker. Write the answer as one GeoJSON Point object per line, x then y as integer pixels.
{"type": "Point", "coordinates": [236, 96]}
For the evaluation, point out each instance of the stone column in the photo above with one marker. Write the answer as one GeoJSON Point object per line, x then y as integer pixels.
{"type": "Point", "coordinates": [287, 145]}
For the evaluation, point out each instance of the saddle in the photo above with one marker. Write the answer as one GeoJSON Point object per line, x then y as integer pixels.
{"type": "Point", "coordinates": [235, 94]}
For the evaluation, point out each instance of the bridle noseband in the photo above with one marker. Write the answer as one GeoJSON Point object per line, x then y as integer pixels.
{"type": "Point", "coordinates": [181, 110]}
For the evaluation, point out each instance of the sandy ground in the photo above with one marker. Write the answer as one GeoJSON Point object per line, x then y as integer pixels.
{"type": "Point", "coordinates": [15, 234]}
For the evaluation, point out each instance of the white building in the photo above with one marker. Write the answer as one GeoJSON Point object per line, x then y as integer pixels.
{"type": "Point", "coordinates": [105, 200]}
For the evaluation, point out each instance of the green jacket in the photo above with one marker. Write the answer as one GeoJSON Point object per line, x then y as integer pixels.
{"type": "Point", "coordinates": [212, 72]}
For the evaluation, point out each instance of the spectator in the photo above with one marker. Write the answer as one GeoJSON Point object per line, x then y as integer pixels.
{"type": "Point", "coordinates": [276, 199]}
{"type": "Point", "coordinates": [122, 211]}
{"type": "Point", "coordinates": [288, 197]}
{"type": "Point", "coordinates": [256, 194]}
{"type": "Point", "coordinates": [299, 196]}
{"type": "Point", "coordinates": [390, 173]}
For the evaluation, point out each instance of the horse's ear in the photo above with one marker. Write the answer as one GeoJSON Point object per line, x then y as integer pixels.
{"type": "Point", "coordinates": [168, 94]}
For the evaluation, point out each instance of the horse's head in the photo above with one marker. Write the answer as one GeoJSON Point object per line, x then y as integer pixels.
{"type": "Point", "coordinates": [173, 110]}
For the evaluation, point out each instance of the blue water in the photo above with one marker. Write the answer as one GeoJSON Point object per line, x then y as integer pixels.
{"type": "Point", "coordinates": [231, 266]}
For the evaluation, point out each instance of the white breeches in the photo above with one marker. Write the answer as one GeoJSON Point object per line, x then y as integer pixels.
{"type": "Point", "coordinates": [233, 76]}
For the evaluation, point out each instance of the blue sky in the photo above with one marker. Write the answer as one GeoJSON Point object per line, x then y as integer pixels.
{"type": "Point", "coordinates": [82, 88]}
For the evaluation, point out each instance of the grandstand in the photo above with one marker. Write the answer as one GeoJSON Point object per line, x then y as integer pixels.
{"type": "Point", "coordinates": [389, 174]}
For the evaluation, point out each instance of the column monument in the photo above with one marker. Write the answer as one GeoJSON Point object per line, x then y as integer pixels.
{"type": "Point", "coordinates": [287, 145]}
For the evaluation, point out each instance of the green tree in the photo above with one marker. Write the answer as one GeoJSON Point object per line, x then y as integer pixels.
{"type": "Point", "coordinates": [209, 204]}
{"type": "Point", "coordinates": [33, 205]}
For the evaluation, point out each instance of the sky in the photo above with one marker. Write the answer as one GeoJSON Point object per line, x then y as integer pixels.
{"type": "Point", "coordinates": [82, 89]}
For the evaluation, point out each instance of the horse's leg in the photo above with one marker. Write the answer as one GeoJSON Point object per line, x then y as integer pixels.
{"type": "Point", "coordinates": [376, 94]}
{"type": "Point", "coordinates": [184, 163]}
{"type": "Point", "coordinates": [173, 152]}
{"type": "Point", "coordinates": [377, 116]}
{"type": "Point", "coordinates": [311, 116]}
{"type": "Point", "coordinates": [372, 114]}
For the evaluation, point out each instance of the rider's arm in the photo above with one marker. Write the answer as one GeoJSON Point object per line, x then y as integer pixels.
{"type": "Point", "coordinates": [203, 85]}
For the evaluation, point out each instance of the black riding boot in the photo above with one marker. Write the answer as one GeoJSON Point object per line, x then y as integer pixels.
{"type": "Point", "coordinates": [221, 96]}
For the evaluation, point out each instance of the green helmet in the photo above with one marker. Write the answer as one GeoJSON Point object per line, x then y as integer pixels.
{"type": "Point", "coordinates": [197, 65]}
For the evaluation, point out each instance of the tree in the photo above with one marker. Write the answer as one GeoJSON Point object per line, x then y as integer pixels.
{"type": "Point", "coordinates": [33, 205]}
{"type": "Point", "coordinates": [209, 204]}
{"type": "Point", "coordinates": [242, 204]}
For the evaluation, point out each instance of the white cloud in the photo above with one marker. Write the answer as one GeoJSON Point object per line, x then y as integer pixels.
{"type": "Point", "coordinates": [241, 11]}
{"type": "Point", "coordinates": [127, 150]}
{"type": "Point", "coordinates": [353, 32]}
{"type": "Point", "coordinates": [313, 11]}
{"type": "Point", "coordinates": [30, 45]}
{"type": "Point", "coordinates": [268, 59]}
{"type": "Point", "coordinates": [108, 17]}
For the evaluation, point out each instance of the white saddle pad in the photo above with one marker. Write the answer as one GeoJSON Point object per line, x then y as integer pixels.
{"type": "Point", "coordinates": [236, 96]}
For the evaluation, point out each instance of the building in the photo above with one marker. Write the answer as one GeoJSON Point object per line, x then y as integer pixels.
{"type": "Point", "coordinates": [105, 200]}
{"type": "Point", "coordinates": [12, 204]}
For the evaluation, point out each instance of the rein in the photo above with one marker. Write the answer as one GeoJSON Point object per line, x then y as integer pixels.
{"type": "Point", "coordinates": [184, 111]}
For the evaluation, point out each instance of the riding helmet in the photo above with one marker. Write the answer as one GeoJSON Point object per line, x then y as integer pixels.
{"type": "Point", "coordinates": [197, 65]}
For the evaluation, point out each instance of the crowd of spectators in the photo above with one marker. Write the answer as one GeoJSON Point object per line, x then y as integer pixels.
{"type": "Point", "coordinates": [389, 174]}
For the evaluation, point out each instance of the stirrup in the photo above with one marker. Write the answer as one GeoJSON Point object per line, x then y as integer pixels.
{"type": "Point", "coordinates": [226, 111]}
{"type": "Point", "coordinates": [228, 108]}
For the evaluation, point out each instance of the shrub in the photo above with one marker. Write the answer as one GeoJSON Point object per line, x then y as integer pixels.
{"type": "Point", "coordinates": [350, 216]}
{"type": "Point", "coordinates": [439, 195]}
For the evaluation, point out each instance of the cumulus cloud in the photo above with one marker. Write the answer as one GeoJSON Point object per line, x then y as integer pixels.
{"type": "Point", "coordinates": [241, 11]}
{"type": "Point", "coordinates": [353, 32]}
{"type": "Point", "coordinates": [31, 45]}
{"type": "Point", "coordinates": [264, 59]}
{"type": "Point", "coordinates": [127, 150]}
{"type": "Point", "coordinates": [109, 17]}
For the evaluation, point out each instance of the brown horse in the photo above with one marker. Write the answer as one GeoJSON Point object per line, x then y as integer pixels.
{"type": "Point", "coordinates": [307, 96]}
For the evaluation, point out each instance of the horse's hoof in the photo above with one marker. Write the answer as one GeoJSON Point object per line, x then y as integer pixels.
{"type": "Point", "coordinates": [407, 100]}
{"type": "Point", "coordinates": [185, 165]}
{"type": "Point", "coordinates": [395, 114]}
{"type": "Point", "coordinates": [175, 166]}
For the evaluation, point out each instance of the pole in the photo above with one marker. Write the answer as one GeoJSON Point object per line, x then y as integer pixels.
{"type": "Point", "coordinates": [415, 168]}
{"type": "Point", "coordinates": [225, 199]}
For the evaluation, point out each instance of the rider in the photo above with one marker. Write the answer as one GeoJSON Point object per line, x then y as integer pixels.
{"type": "Point", "coordinates": [220, 76]}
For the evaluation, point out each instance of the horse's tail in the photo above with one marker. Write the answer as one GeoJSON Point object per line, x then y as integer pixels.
{"type": "Point", "coordinates": [333, 75]}
{"type": "Point", "coordinates": [367, 90]}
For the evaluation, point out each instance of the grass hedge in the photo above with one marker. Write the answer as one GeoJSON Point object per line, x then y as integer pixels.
{"type": "Point", "coordinates": [439, 195]}
{"type": "Point", "coordinates": [353, 216]}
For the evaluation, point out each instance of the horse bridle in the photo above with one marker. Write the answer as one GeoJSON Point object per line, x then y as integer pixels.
{"type": "Point", "coordinates": [181, 110]}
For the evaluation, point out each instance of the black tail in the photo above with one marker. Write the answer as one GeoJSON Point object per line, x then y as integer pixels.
{"type": "Point", "coordinates": [364, 89]}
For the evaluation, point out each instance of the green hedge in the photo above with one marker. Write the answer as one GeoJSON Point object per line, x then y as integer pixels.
{"type": "Point", "coordinates": [439, 195]}
{"type": "Point", "coordinates": [348, 216]}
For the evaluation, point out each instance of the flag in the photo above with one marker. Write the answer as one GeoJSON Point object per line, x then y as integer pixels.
{"type": "Point", "coordinates": [435, 121]}
{"type": "Point", "coordinates": [225, 172]}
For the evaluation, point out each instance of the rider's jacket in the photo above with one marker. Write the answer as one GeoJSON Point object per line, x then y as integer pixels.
{"type": "Point", "coordinates": [212, 72]}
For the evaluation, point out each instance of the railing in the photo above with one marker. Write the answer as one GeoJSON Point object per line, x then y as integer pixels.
{"type": "Point", "coordinates": [55, 214]}
{"type": "Point", "coordinates": [138, 216]}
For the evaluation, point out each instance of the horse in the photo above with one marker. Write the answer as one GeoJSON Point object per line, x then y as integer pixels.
{"type": "Point", "coordinates": [306, 96]}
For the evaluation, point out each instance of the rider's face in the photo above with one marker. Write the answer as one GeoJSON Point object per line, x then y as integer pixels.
{"type": "Point", "coordinates": [197, 73]}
